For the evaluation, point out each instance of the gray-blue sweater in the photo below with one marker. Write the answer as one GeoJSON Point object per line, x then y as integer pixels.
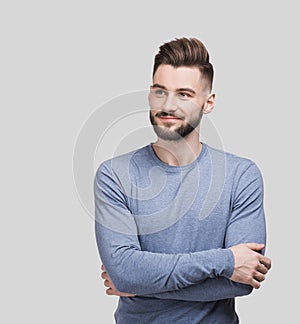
{"type": "Point", "coordinates": [163, 233]}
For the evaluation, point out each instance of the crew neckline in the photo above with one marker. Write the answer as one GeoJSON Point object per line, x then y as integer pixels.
{"type": "Point", "coordinates": [176, 168]}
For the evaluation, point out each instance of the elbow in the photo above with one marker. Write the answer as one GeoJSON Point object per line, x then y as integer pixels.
{"type": "Point", "coordinates": [122, 275]}
{"type": "Point", "coordinates": [121, 280]}
{"type": "Point", "coordinates": [130, 282]}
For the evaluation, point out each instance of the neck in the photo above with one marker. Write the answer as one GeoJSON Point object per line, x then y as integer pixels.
{"type": "Point", "coordinates": [178, 153]}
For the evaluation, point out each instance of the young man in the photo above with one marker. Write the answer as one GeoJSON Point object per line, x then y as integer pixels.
{"type": "Point", "coordinates": [180, 226]}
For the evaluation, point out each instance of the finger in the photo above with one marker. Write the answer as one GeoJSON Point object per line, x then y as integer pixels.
{"type": "Point", "coordinates": [108, 283]}
{"type": "Point", "coordinates": [104, 276]}
{"type": "Point", "coordinates": [255, 246]}
{"type": "Point", "coordinates": [262, 269]}
{"type": "Point", "coordinates": [259, 277]}
{"type": "Point", "coordinates": [114, 292]}
{"type": "Point", "coordinates": [102, 267]}
{"type": "Point", "coordinates": [254, 283]}
{"type": "Point", "coordinates": [109, 292]}
{"type": "Point", "coordinates": [266, 262]}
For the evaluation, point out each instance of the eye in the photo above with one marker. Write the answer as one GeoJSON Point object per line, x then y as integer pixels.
{"type": "Point", "coordinates": [184, 95]}
{"type": "Point", "coordinates": [160, 92]}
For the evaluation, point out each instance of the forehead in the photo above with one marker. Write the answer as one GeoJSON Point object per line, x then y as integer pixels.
{"type": "Point", "coordinates": [178, 77]}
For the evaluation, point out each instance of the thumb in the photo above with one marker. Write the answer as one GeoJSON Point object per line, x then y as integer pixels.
{"type": "Point", "coordinates": [255, 246]}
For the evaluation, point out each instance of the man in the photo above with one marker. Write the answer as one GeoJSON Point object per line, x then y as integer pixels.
{"type": "Point", "coordinates": [180, 226]}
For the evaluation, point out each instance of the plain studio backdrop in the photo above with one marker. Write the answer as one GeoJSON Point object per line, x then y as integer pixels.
{"type": "Point", "coordinates": [63, 60]}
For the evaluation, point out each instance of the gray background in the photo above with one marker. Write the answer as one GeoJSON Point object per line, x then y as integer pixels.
{"type": "Point", "coordinates": [61, 60]}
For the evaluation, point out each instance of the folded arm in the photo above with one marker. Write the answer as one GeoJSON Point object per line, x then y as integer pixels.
{"type": "Point", "coordinates": [142, 272]}
{"type": "Point", "coordinates": [199, 276]}
{"type": "Point", "coordinates": [206, 291]}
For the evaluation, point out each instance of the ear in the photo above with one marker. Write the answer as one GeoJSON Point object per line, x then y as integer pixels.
{"type": "Point", "coordinates": [209, 103]}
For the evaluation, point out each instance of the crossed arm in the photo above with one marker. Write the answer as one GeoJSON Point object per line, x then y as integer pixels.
{"type": "Point", "coordinates": [199, 276]}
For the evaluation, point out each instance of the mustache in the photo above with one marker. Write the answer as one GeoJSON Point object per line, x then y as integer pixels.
{"type": "Point", "coordinates": [165, 114]}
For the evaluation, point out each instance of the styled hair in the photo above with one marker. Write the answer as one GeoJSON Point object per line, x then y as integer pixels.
{"type": "Point", "coordinates": [186, 52]}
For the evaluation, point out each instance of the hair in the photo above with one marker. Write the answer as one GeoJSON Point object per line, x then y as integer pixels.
{"type": "Point", "coordinates": [186, 52]}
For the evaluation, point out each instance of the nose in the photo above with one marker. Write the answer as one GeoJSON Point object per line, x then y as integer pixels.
{"type": "Point", "coordinates": [170, 104]}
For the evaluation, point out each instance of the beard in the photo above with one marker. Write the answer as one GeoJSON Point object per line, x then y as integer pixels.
{"type": "Point", "coordinates": [164, 132]}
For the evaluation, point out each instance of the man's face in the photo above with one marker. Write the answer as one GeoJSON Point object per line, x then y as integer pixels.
{"type": "Point", "coordinates": [176, 101]}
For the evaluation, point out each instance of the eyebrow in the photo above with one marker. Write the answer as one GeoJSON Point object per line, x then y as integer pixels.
{"type": "Point", "coordinates": [156, 85]}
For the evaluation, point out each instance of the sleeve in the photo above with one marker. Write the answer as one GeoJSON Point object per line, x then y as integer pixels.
{"type": "Point", "coordinates": [208, 290]}
{"type": "Point", "coordinates": [247, 222]}
{"type": "Point", "coordinates": [246, 225]}
{"type": "Point", "coordinates": [141, 272]}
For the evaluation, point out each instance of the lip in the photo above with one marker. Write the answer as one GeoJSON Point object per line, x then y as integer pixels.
{"type": "Point", "coordinates": [169, 118]}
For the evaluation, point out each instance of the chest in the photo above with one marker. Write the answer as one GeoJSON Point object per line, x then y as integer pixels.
{"type": "Point", "coordinates": [191, 232]}
{"type": "Point", "coordinates": [180, 212]}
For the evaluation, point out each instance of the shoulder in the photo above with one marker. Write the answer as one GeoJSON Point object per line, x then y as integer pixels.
{"type": "Point", "coordinates": [236, 166]}
{"type": "Point", "coordinates": [122, 163]}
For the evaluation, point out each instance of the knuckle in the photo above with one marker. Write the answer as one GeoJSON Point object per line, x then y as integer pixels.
{"type": "Point", "coordinates": [257, 256]}
{"type": "Point", "coordinates": [249, 278]}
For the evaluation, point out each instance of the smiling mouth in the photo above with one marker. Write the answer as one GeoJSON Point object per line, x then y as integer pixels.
{"type": "Point", "coordinates": [168, 117]}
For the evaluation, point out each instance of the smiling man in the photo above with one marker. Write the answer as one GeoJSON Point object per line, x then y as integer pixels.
{"type": "Point", "coordinates": [180, 226]}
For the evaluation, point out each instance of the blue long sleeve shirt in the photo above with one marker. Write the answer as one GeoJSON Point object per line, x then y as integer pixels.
{"type": "Point", "coordinates": [163, 233]}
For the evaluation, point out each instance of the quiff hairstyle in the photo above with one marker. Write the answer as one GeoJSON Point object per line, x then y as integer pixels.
{"type": "Point", "coordinates": [186, 52]}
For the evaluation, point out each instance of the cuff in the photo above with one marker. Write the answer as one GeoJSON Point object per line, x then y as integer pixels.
{"type": "Point", "coordinates": [228, 264]}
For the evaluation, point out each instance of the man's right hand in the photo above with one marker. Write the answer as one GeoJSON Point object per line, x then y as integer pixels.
{"type": "Point", "coordinates": [250, 267]}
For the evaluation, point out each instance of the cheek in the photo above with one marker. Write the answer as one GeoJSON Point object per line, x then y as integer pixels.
{"type": "Point", "coordinates": [194, 114]}
{"type": "Point", "coordinates": [190, 106]}
{"type": "Point", "coordinates": [153, 111]}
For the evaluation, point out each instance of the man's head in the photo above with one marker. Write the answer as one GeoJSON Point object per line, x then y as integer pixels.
{"type": "Point", "coordinates": [181, 90]}
{"type": "Point", "coordinates": [189, 52]}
